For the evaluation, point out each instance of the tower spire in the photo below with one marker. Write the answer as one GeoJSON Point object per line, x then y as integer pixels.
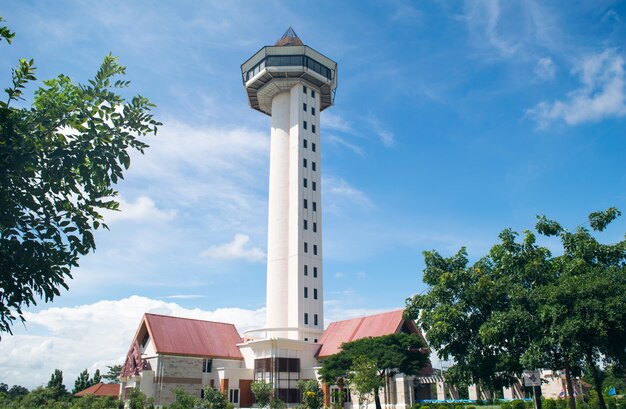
{"type": "Point", "coordinates": [289, 38]}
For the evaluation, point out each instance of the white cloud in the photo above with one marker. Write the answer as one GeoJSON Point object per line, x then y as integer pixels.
{"type": "Point", "coordinates": [237, 249]}
{"type": "Point", "coordinates": [337, 190]}
{"type": "Point", "coordinates": [339, 141]}
{"type": "Point", "coordinates": [92, 336]}
{"type": "Point", "coordinates": [384, 135]}
{"type": "Point", "coordinates": [483, 18]}
{"type": "Point", "coordinates": [545, 69]}
{"type": "Point", "coordinates": [143, 209]}
{"type": "Point", "coordinates": [335, 122]}
{"type": "Point", "coordinates": [601, 94]}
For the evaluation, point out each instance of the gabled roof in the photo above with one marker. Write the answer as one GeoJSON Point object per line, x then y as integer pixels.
{"type": "Point", "coordinates": [376, 325]}
{"type": "Point", "coordinates": [101, 389]}
{"type": "Point", "coordinates": [191, 337]}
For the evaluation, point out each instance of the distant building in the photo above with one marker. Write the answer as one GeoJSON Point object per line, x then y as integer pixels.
{"type": "Point", "coordinates": [101, 389]}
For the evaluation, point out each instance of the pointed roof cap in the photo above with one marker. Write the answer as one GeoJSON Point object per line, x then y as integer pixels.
{"type": "Point", "coordinates": [289, 38]}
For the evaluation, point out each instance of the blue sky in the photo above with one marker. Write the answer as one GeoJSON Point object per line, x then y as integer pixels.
{"type": "Point", "coordinates": [452, 121]}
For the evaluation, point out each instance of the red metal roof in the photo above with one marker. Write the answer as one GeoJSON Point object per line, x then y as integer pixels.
{"type": "Point", "coordinates": [101, 389]}
{"type": "Point", "coordinates": [185, 336]}
{"type": "Point", "coordinates": [350, 330]}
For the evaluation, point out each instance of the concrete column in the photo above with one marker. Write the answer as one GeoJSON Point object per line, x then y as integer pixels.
{"type": "Point", "coordinates": [472, 392]}
{"type": "Point", "coordinates": [441, 392]}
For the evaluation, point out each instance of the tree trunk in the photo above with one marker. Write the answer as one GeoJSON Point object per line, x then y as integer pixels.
{"type": "Point", "coordinates": [377, 400]}
{"type": "Point", "coordinates": [537, 396]}
{"type": "Point", "coordinates": [597, 383]}
{"type": "Point", "coordinates": [568, 381]}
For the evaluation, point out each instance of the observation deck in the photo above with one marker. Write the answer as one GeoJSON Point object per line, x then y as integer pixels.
{"type": "Point", "coordinates": [277, 68]}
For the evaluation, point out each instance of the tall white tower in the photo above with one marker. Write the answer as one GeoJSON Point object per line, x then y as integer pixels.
{"type": "Point", "coordinates": [293, 83]}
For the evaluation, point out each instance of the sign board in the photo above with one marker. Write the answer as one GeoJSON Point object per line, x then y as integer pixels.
{"type": "Point", "coordinates": [532, 378]}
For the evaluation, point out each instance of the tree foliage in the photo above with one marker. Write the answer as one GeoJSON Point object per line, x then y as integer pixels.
{"type": "Point", "coordinates": [55, 385]}
{"type": "Point", "coordinates": [312, 394]}
{"type": "Point", "coordinates": [519, 307]}
{"type": "Point", "coordinates": [113, 374]}
{"type": "Point", "coordinates": [60, 158]}
{"type": "Point", "coordinates": [263, 393]}
{"type": "Point", "coordinates": [391, 354]}
{"type": "Point", "coordinates": [364, 380]}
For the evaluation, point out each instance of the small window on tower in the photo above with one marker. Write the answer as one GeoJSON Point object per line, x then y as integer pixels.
{"type": "Point", "coordinates": [312, 165]}
{"type": "Point", "coordinates": [313, 93]}
{"type": "Point", "coordinates": [306, 292]}
{"type": "Point", "coordinates": [304, 106]}
{"type": "Point", "coordinates": [313, 144]}
{"type": "Point", "coordinates": [314, 227]}
{"type": "Point", "coordinates": [306, 339]}
{"type": "Point", "coordinates": [306, 270]}
{"type": "Point", "coordinates": [315, 293]}
{"type": "Point", "coordinates": [306, 225]}
{"type": "Point", "coordinates": [306, 247]}
{"type": "Point", "coordinates": [314, 186]}
{"type": "Point", "coordinates": [312, 110]}
{"type": "Point", "coordinates": [315, 206]}
{"type": "Point", "coordinates": [314, 319]}
{"type": "Point", "coordinates": [314, 272]}
{"type": "Point", "coordinates": [306, 319]}
{"type": "Point", "coordinates": [315, 249]}
{"type": "Point", "coordinates": [304, 162]}
{"type": "Point", "coordinates": [304, 143]}
{"type": "Point", "coordinates": [304, 124]}
{"type": "Point", "coordinates": [312, 128]}
{"type": "Point", "coordinates": [304, 182]}
{"type": "Point", "coordinates": [304, 89]}
{"type": "Point", "coordinates": [305, 204]}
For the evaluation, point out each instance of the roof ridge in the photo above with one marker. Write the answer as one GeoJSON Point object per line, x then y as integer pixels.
{"type": "Point", "coordinates": [190, 319]}
{"type": "Point", "coordinates": [370, 315]}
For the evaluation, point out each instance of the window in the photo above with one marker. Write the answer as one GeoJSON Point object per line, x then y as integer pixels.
{"type": "Point", "coordinates": [315, 249]}
{"type": "Point", "coordinates": [304, 182]}
{"type": "Point", "coordinates": [314, 186]}
{"type": "Point", "coordinates": [313, 128]}
{"type": "Point", "coordinates": [314, 227]}
{"type": "Point", "coordinates": [207, 365]}
{"type": "Point", "coordinates": [312, 165]}
{"type": "Point", "coordinates": [306, 225]}
{"type": "Point", "coordinates": [304, 162]}
{"type": "Point", "coordinates": [304, 89]}
{"type": "Point", "coordinates": [313, 145]}
{"type": "Point", "coordinates": [305, 204]}
{"type": "Point", "coordinates": [304, 143]}
{"type": "Point", "coordinates": [314, 319]}
{"type": "Point", "coordinates": [233, 395]}
{"type": "Point", "coordinates": [304, 124]}
{"type": "Point", "coordinates": [315, 293]}
{"type": "Point", "coordinates": [306, 292]}
{"type": "Point", "coordinates": [306, 339]}
{"type": "Point", "coordinates": [145, 340]}
{"type": "Point", "coordinates": [315, 340]}
{"type": "Point", "coordinates": [313, 93]}
{"type": "Point", "coordinates": [314, 206]}
{"type": "Point", "coordinates": [304, 106]}
{"type": "Point", "coordinates": [314, 272]}
{"type": "Point", "coordinates": [201, 393]}
{"type": "Point", "coordinates": [306, 319]}
{"type": "Point", "coordinates": [306, 270]}
{"type": "Point", "coordinates": [306, 247]}
{"type": "Point", "coordinates": [312, 110]}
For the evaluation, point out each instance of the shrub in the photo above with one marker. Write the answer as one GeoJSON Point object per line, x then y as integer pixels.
{"type": "Point", "coordinates": [518, 404]}
{"type": "Point", "coordinates": [549, 404]}
{"type": "Point", "coordinates": [506, 405]}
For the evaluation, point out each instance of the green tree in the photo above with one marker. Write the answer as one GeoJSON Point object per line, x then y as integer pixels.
{"type": "Point", "coordinates": [263, 393]}
{"type": "Point", "coordinates": [585, 308]}
{"type": "Point", "coordinates": [17, 391]}
{"type": "Point", "coordinates": [364, 379]}
{"type": "Point", "coordinates": [113, 374]}
{"type": "Point", "coordinates": [97, 378]}
{"type": "Point", "coordinates": [335, 370]}
{"type": "Point", "coordinates": [60, 159]}
{"type": "Point", "coordinates": [55, 385]}
{"type": "Point", "coordinates": [521, 308]}
{"type": "Point", "coordinates": [312, 394]}
{"type": "Point", "coordinates": [82, 382]}
{"type": "Point", "coordinates": [392, 354]}
{"type": "Point", "coordinates": [138, 400]}
{"type": "Point", "coordinates": [214, 399]}
{"type": "Point", "coordinates": [184, 400]}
